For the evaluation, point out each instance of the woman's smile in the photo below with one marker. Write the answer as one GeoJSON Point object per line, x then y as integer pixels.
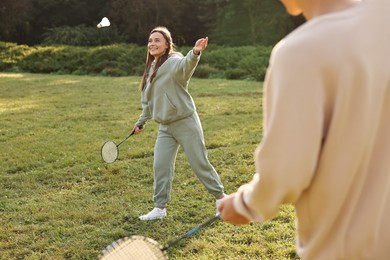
{"type": "Point", "coordinates": [157, 45]}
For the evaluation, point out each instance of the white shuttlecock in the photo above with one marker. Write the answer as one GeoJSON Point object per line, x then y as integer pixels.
{"type": "Point", "coordinates": [104, 23]}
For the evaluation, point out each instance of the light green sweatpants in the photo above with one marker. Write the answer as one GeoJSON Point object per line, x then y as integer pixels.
{"type": "Point", "coordinates": [188, 134]}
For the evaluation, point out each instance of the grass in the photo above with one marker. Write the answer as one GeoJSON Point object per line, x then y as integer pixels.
{"type": "Point", "coordinates": [59, 201]}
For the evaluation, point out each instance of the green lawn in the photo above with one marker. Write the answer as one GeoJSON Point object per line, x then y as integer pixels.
{"type": "Point", "coordinates": [58, 200]}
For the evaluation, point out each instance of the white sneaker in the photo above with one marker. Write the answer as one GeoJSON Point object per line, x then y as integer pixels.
{"type": "Point", "coordinates": [156, 213]}
{"type": "Point", "coordinates": [217, 202]}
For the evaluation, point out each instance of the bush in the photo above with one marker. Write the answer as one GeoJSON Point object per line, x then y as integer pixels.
{"type": "Point", "coordinates": [205, 71]}
{"type": "Point", "coordinates": [123, 59]}
{"type": "Point", "coordinates": [246, 62]}
{"type": "Point", "coordinates": [81, 36]}
{"type": "Point", "coordinates": [236, 73]}
{"type": "Point", "coordinates": [255, 64]}
{"type": "Point", "coordinates": [11, 54]}
{"type": "Point", "coordinates": [54, 59]}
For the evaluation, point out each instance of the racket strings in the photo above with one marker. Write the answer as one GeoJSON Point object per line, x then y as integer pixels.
{"type": "Point", "coordinates": [136, 247]}
{"type": "Point", "coordinates": [110, 152]}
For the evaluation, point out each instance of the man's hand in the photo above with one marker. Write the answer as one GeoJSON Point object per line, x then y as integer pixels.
{"type": "Point", "coordinates": [228, 212]}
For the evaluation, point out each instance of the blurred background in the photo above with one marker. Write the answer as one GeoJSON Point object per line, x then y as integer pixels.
{"type": "Point", "coordinates": [73, 22]}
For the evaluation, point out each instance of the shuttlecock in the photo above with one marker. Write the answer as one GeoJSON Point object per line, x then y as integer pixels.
{"type": "Point", "coordinates": [104, 23]}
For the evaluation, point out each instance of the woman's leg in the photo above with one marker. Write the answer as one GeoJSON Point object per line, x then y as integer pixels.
{"type": "Point", "coordinates": [165, 152]}
{"type": "Point", "coordinates": [189, 134]}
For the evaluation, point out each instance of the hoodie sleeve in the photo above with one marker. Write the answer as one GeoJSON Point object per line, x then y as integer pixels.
{"type": "Point", "coordinates": [287, 157]}
{"type": "Point", "coordinates": [145, 115]}
{"type": "Point", "coordinates": [185, 67]}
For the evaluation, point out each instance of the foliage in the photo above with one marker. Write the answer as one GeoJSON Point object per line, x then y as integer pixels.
{"type": "Point", "coordinates": [14, 17]}
{"type": "Point", "coordinates": [81, 36]}
{"type": "Point", "coordinates": [227, 22]}
{"type": "Point", "coordinates": [26, 21]}
{"type": "Point", "coordinates": [52, 59]}
{"type": "Point", "coordinates": [246, 62]}
{"type": "Point", "coordinates": [245, 22]}
{"type": "Point", "coordinates": [137, 18]}
{"type": "Point", "coordinates": [59, 201]}
{"type": "Point", "coordinates": [115, 60]}
{"type": "Point", "coordinates": [11, 54]}
{"type": "Point", "coordinates": [125, 59]}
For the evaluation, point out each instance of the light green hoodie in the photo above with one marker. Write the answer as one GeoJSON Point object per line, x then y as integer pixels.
{"type": "Point", "coordinates": [166, 98]}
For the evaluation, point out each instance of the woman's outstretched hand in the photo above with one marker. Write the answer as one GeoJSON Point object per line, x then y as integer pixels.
{"type": "Point", "coordinates": [200, 45]}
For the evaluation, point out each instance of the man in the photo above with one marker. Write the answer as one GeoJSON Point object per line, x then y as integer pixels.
{"type": "Point", "coordinates": [326, 142]}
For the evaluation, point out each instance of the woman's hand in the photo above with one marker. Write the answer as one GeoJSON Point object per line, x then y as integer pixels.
{"type": "Point", "coordinates": [137, 129]}
{"type": "Point", "coordinates": [200, 45]}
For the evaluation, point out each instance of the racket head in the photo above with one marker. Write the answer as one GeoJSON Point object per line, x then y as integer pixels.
{"type": "Point", "coordinates": [110, 152]}
{"type": "Point", "coordinates": [134, 247]}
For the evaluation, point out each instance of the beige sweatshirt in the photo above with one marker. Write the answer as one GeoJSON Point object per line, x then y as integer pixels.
{"type": "Point", "coordinates": [326, 142]}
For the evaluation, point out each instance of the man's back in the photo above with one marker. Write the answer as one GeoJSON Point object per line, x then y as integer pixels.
{"type": "Point", "coordinates": [326, 141]}
{"type": "Point", "coordinates": [345, 211]}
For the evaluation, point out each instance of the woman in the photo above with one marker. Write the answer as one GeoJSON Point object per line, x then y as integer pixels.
{"type": "Point", "coordinates": [165, 99]}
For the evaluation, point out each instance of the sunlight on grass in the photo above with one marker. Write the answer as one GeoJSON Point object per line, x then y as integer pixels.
{"type": "Point", "coordinates": [9, 75]}
{"type": "Point", "coordinates": [66, 82]}
{"type": "Point", "coordinates": [16, 105]}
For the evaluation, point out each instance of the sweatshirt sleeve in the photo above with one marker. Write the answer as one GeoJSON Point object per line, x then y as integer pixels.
{"type": "Point", "coordinates": [286, 159]}
{"type": "Point", "coordinates": [145, 115]}
{"type": "Point", "coordinates": [185, 67]}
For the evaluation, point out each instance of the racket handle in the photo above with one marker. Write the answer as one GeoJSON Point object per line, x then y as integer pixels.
{"type": "Point", "coordinates": [208, 222]}
{"type": "Point", "coordinates": [140, 127]}
{"type": "Point", "coordinates": [192, 231]}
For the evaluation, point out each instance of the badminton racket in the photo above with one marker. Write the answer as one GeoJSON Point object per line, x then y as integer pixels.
{"type": "Point", "coordinates": [144, 248]}
{"type": "Point", "coordinates": [110, 151]}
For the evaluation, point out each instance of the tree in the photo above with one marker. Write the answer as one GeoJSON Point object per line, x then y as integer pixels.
{"type": "Point", "coordinates": [136, 18]}
{"type": "Point", "coordinates": [251, 22]}
{"type": "Point", "coordinates": [227, 22]}
{"type": "Point", "coordinates": [49, 14]}
{"type": "Point", "coordinates": [24, 21]}
{"type": "Point", "coordinates": [15, 20]}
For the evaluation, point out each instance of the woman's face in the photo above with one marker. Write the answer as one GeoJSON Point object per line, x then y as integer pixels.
{"type": "Point", "coordinates": [157, 45]}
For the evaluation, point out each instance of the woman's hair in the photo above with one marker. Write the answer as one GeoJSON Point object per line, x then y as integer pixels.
{"type": "Point", "coordinates": [149, 58]}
